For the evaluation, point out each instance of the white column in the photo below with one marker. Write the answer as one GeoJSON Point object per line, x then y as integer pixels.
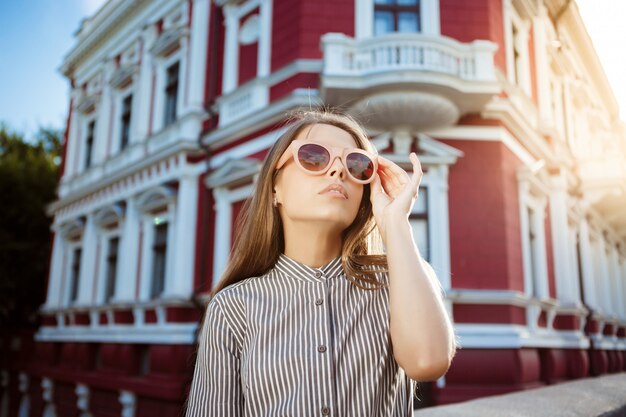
{"type": "Point", "coordinates": [128, 254]}
{"type": "Point", "coordinates": [147, 238]}
{"type": "Point", "coordinates": [430, 17]}
{"type": "Point", "coordinates": [605, 282]}
{"type": "Point", "coordinates": [103, 119]}
{"type": "Point", "coordinates": [87, 261]}
{"type": "Point", "coordinates": [170, 255]}
{"type": "Point", "coordinates": [542, 72]}
{"type": "Point", "coordinates": [541, 267]}
{"type": "Point", "coordinates": [231, 50]}
{"type": "Point", "coordinates": [560, 236]}
{"type": "Point", "coordinates": [73, 138]}
{"type": "Point", "coordinates": [439, 230]}
{"type": "Point", "coordinates": [573, 262]}
{"type": "Point", "coordinates": [144, 89]}
{"type": "Point", "coordinates": [614, 280]}
{"type": "Point", "coordinates": [508, 40]}
{"type": "Point", "coordinates": [180, 283]}
{"type": "Point", "coordinates": [223, 224]}
{"type": "Point", "coordinates": [56, 265]}
{"type": "Point", "coordinates": [265, 39]}
{"type": "Point", "coordinates": [586, 261]}
{"type": "Point", "coordinates": [364, 16]}
{"type": "Point", "coordinates": [198, 45]}
{"type": "Point", "coordinates": [568, 111]}
{"type": "Point", "coordinates": [183, 62]}
{"type": "Point", "coordinates": [619, 287]}
{"type": "Point", "coordinates": [623, 283]}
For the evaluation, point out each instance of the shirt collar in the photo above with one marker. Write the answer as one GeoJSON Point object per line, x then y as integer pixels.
{"type": "Point", "coordinates": [292, 268]}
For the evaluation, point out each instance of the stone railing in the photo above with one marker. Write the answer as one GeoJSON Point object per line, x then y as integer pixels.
{"type": "Point", "coordinates": [347, 56]}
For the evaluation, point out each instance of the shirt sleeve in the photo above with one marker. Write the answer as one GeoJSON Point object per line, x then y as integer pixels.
{"type": "Point", "coordinates": [216, 387]}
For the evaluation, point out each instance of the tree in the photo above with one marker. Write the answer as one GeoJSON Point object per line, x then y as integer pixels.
{"type": "Point", "coordinates": [29, 172]}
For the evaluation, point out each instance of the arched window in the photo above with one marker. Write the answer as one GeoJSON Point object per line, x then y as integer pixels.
{"type": "Point", "coordinates": [108, 221]}
{"type": "Point", "coordinates": [158, 207]}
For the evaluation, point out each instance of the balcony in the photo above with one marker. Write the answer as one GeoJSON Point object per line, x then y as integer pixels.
{"type": "Point", "coordinates": [408, 79]}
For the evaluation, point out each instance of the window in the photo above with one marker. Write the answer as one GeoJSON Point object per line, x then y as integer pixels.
{"type": "Point", "coordinates": [419, 223]}
{"type": "Point", "coordinates": [396, 16]}
{"type": "Point", "coordinates": [517, 54]}
{"type": "Point", "coordinates": [171, 91]}
{"type": "Point", "coordinates": [75, 274]}
{"type": "Point", "coordinates": [159, 252]}
{"type": "Point", "coordinates": [125, 122]}
{"type": "Point", "coordinates": [111, 268]}
{"type": "Point", "coordinates": [89, 143]}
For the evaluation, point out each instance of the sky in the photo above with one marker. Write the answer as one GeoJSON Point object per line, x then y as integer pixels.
{"type": "Point", "coordinates": [35, 35]}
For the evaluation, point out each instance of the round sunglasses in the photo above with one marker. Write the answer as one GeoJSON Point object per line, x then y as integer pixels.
{"type": "Point", "coordinates": [315, 159]}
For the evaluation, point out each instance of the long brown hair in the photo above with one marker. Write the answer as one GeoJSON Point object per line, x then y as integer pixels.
{"type": "Point", "coordinates": [259, 238]}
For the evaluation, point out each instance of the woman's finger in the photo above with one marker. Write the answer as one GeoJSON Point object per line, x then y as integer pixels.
{"type": "Point", "coordinates": [397, 175]}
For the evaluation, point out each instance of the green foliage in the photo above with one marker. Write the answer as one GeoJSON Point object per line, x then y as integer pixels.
{"type": "Point", "coordinates": [29, 172]}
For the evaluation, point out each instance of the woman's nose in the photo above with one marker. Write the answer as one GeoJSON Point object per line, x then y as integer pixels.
{"type": "Point", "coordinates": [337, 168]}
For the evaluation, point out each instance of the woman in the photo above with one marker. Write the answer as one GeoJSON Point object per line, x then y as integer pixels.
{"type": "Point", "coordinates": [306, 319]}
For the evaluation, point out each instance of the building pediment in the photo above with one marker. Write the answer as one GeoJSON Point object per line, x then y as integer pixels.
{"type": "Point", "coordinates": [233, 172]}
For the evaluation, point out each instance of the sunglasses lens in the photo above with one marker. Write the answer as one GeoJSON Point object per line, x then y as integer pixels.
{"type": "Point", "coordinates": [360, 166]}
{"type": "Point", "coordinates": [313, 157]}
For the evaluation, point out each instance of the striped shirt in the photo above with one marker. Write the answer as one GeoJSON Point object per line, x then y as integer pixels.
{"type": "Point", "coordinates": [298, 341]}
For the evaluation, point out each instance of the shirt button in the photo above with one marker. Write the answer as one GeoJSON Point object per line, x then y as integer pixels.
{"type": "Point", "coordinates": [318, 274]}
{"type": "Point", "coordinates": [325, 411]}
{"type": "Point", "coordinates": [321, 348]}
{"type": "Point", "coordinates": [319, 301]}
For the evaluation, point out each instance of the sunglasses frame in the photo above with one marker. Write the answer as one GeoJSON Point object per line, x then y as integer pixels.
{"type": "Point", "coordinates": [333, 151]}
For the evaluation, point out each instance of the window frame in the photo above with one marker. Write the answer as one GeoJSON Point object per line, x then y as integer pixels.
{"type": "Point", "coordinates": [516, 38]}
{"type": "Point", "coordinates": [88, 156]}
{"type": "Point", "coordinates": [167, 85]}
{"type": "Point", "coordinates": [364, 18]}
{"type": "Point", "coordinates": [127, 93]}
{"type": "Point", "coordinates": [159, 202]}
{"type": "Point", "coordinates": [74, 280]}
{"type": "Point", "coordinates": [396, 9]}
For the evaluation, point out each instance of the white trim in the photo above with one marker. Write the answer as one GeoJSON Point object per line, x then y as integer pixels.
{"type": "Point", "coordinates": [567, 283]}
{"type": "Point", "coordinates": [511, 336]}
{"type": "Point", "coordinates": [104, 238]}
{"type": "Point", "coordinates": [224, 198]}
{"type": "Point", "coordinates": [533, 197]}
{"type": "Point", "coordinates": [265, 116]}
{"type": "Point", "coordinates": [486, 134]}
{"type": "Point", "coordinates": [198, 45]}
{"type": "Point", "coordinates": [265, 39]}
{"type": "Point", "coordinates": [250, 147]}
{"type": "Point", "coordinates": [87, 263]}
{"type": "Point", "coordinates": [231, 49]}
{"type": "Point", "coordinates": [119, 333]}
{"type": "Point", "coordinates": [55, 276]}
{"type": "Point", "coordinates": [162, 64]}
{"type": "Point", "coordinates": [513, 20]}
{"type": "Point", "coordinates": [179, 284]}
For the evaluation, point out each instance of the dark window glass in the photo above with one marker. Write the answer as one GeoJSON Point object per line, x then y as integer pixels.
{"type": "Point", "coordinates": [159, 249]}
{"type": "Point", "coordinates": [171, 91]}
{"type": "Point", "coordinates": [91, 127]}
{"type": "Point", "coordinates": [111, 268]}
{"type": "Point", "coordinates": [125, 133]}
{"type": "Point", "coordinates": [75, 275]}
{"type": "Point", "coordinates": [396, 16]}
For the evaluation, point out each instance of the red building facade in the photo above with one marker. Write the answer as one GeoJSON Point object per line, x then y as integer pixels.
{"type": "Point", "coordinates": [174, 104]}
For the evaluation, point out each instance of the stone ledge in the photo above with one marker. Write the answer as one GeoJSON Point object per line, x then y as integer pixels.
{"type": "Point", "coordinates": [602, 396]}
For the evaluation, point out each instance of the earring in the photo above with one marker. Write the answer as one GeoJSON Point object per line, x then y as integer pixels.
{"type": "Point", "coordinates": [275, 202]}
